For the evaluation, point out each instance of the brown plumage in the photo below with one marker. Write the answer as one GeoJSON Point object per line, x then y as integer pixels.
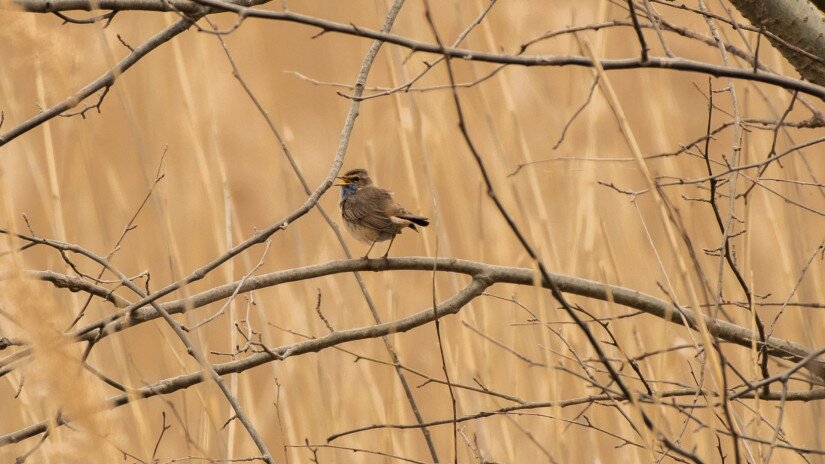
{"type": "Point", "coordinates": [370, 213]}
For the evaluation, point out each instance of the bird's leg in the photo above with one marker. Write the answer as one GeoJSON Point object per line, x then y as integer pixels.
{"type": "Point", "coordinates": [390, 246]}
{"type": "Point", "coordinates": [367, 256]}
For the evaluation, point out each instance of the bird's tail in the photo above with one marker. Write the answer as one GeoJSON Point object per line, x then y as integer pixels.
{"type": "Point", "coordinates": [420, 220]}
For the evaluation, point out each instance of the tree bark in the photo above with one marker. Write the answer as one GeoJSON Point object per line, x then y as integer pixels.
{"type": "Point", "coordinates": [799, 24]}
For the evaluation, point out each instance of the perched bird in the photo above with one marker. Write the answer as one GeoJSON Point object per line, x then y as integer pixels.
{"type": "Point", "coordinates": [370, 213]}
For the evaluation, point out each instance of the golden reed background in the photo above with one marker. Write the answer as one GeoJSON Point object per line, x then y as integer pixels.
{"type": "Point", "coordinates": [80, 180]}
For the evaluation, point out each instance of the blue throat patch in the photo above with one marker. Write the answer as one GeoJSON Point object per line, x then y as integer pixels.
{"type": "Point", "coordinates": [347, 190]}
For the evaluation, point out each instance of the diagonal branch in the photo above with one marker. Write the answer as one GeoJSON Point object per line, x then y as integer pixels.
{"type": "Point", "coordinates": [451, 306]}
{"type": "Point", "coordinates": [797, 22]}
{"type": "Point", "coordinates": [103, 82]}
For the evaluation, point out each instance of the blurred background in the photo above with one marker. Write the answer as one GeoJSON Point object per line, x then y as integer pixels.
{"type": "Point", "coordinates": [81, 180]}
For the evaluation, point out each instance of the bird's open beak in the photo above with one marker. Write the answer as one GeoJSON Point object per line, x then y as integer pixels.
{"type": "Point", "coordinates": [344, 182]}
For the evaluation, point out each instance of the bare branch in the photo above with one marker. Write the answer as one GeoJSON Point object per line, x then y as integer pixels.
{"type": "Point", "coordinates": [103, 82]}
{"type": "Point", "coordinates": [499, 274]}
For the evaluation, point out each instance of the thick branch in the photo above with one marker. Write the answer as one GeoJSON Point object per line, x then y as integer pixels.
{"type": "Point", "coordinates": [485, 276]}
{"type": "Point", "coordinates": [797, 22]}
{"type": "Point", "coordinates": [497, 274]}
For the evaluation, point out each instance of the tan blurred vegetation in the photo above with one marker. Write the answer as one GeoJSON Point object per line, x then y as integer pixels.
{"type": "Point", "coordinates": [80, 180]}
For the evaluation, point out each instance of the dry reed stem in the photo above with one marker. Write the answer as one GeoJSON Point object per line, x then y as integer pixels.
{"type": "Point", "coordinates": [329, 393]}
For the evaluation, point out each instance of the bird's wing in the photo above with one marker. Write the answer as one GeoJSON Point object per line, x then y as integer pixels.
{"type": "Point", "coordinates": [414, 218]}
{"type": "Point", "coordinates": [405, 217]}
{"type": "Point", "coordinates": [369, 206]}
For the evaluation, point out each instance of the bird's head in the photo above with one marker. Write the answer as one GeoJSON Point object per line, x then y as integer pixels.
{"type": "Point", "coordinates": [354, 179]}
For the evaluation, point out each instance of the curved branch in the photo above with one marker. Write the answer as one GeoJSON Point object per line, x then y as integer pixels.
{"type": "Point", "coordinates": [240, 8]}
{"type": "Point", "coordinates": [166, 386]}
{"type": "Point", "coordinates": [726, 331]}
{"type": "Point", "coordinates": [678, 64]}
{"type": "Point", "coordinates": [482, 280]}
{"type": "Point", "coordinates": [788, 24]}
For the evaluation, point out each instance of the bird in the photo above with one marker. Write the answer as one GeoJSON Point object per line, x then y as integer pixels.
{"type": "Point", "coordinates": [370, 213]}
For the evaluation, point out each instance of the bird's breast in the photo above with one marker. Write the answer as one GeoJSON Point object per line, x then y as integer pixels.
{"type": "Point", "coordinates": [365, 233]}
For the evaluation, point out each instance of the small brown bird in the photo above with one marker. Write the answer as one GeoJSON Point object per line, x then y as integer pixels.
{"type": "Point", "coordinates": [370, 213]}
